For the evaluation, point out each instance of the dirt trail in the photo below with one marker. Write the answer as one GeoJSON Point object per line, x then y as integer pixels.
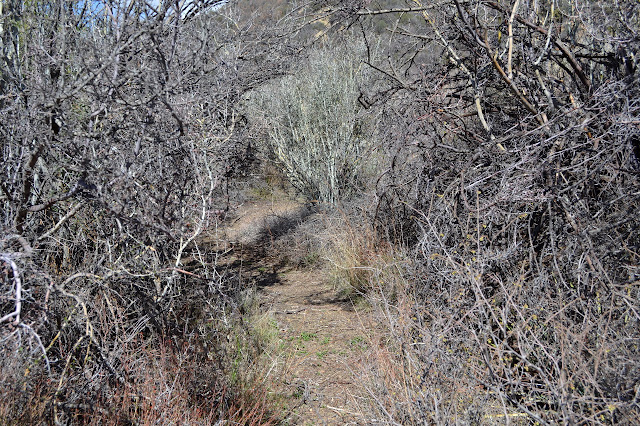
{"type": "Point", "coordinates": [324, 341]}
{"type": "Point", "coordinates": [321, 337]}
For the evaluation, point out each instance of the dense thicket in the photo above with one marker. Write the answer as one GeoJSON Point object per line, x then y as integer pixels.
{"type": "Point", "coordinates": [508, 147]}
{"type": "Point", "coordinates": [513, 134]}
{"type": "Point", "coordinates": [119, 133]}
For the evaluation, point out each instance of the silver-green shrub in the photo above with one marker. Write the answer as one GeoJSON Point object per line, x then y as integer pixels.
{"type": "Point", "coordinates": [314, 128]}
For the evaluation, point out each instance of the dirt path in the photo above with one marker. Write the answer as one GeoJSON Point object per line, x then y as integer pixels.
{"type": "Point", "coordinates": [323, 340]}
{"type": "Point", "coordinates": [321, 337]}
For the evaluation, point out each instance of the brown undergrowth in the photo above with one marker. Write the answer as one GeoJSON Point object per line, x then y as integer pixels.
{"type": "Point", "coordinates": [164, 382]}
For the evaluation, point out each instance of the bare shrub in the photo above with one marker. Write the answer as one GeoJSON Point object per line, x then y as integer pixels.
{"type": "Point", "coordinates": [315, 129]}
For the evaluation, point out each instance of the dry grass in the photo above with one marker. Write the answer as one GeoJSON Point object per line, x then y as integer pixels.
{"type": "Point", "coordinates": [357, 259]}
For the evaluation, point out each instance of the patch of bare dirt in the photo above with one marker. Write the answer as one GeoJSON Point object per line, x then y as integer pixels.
{"type": "Point", "coordinates": [253, 224]}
